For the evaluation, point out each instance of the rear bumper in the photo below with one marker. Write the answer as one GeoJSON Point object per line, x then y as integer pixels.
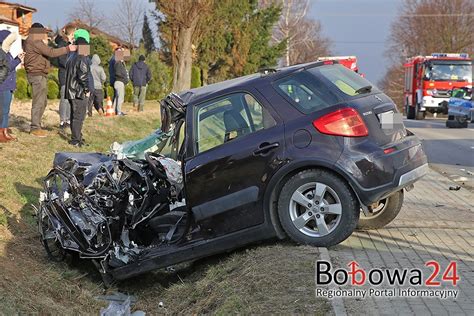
{"type": "Point", "coordinates": [411, 176]}
{"type": "Point", "coordinates": [376, 175]}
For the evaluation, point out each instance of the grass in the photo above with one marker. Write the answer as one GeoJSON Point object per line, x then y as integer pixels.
{"type": "Point", "coordinates": [271, 278]}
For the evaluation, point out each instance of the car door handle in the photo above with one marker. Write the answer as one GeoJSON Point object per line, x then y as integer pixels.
{"type": "Point", "coordinates": [265, 148]}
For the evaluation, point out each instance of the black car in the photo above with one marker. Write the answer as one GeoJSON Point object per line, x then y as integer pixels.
{"type": "Point", "coordinates": [301, 151]}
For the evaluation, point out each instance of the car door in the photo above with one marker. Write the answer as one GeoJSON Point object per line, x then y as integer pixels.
{"type": "Point", "coordinates": [238, 144]}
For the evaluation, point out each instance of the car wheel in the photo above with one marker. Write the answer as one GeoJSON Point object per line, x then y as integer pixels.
{"type": "Point", "coordinates": [317, 208]}
{"type": "Point", "coordinates": [419, 115]}
{"type": "Point", "coordinates": [410, 112]}
{"type": "Point", "coordinates": [384, 213]}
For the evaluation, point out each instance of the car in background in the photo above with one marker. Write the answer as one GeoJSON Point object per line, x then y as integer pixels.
{"type": "Point", "coordinates": [460, 108]}
{"type": "Point", "coordinates": [299, 152]}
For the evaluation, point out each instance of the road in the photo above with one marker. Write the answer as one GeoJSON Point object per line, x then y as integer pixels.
{"type": "Point", "coordinates": [450, 151]}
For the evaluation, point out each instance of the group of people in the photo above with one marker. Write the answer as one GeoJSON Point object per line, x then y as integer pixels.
{"type": "Point", "coordinates": [81, 79]}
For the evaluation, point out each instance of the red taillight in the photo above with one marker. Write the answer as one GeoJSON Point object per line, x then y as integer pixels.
{"type": "Point", "coordinates": [343, 122]}
{"type": "Point", "coordinates": [389, 150]}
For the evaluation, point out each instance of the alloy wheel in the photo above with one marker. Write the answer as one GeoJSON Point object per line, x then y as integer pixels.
{"type": "Point", "coordinates": [315, 209]}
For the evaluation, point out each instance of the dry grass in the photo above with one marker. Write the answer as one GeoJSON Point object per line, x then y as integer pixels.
{"type": "Point", "coordinates": [266, 279]}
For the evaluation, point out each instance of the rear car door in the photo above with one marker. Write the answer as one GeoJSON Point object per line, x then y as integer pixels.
{"type": "Point", "coordinates": [238, 144]}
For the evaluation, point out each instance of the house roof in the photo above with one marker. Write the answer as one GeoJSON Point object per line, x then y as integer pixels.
{"type": "Point", "coordinates": [95, 31]}
{"type": "Point", "coordinates": [4, 19]}
{"type": "Point", "coordinates": [18, 5]}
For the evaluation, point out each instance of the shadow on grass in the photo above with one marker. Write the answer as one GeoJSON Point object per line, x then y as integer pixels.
{"type": "Point", "coordinates": [29, 194]}
{"type": "Point", "coordinates": [20, 122]}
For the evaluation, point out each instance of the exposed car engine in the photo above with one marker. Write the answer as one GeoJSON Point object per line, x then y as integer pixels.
{"type": "Point", "coordinates": [108, 208]}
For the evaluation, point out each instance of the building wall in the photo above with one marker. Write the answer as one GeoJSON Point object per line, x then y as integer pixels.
{"type": "Point", "coordinates": [7, 11]}
{"type": "Point", "coordinates": [24, 21]}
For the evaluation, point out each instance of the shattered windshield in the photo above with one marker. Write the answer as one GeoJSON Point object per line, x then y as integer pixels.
{"type": "Point", "coordinates": [158, 142]}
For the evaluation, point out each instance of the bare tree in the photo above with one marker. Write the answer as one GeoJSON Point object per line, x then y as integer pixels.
{"type": "Point", "coordinates": [128, 20]}
{"type": "Point", "coordinates": [311, 43]}
{"type": "Point", "coordinates": [427, 26]}
{"type": "Point", "coordinates": [424, 27]}
{"type": "Point", "coordinates": [304, 38]}
{"type": "Point", "coordinates": [180, 20]}
{"type": "Point", "coordinates": [87, 12]}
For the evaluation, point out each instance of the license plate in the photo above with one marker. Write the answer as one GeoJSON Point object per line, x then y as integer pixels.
{"type": "Point", "coordinates": [390, 120]}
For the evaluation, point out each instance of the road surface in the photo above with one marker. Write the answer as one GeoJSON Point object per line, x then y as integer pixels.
{"type": "Point", "coordinates": [450, 151]}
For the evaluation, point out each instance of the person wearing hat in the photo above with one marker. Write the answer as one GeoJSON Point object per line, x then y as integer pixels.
{"type": "Point", "coordinates": [37, 67]}
{"type": "Point", "coordinates": [9, 84]}
{"type": "Point", "coordinates": [140, 75]}
{"type": "Point", "coordinates": [78, 88]}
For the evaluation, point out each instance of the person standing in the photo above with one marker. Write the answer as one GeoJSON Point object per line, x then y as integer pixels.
{"type": "Point", "coordinates": [63, 40]}
{"type": "Point", "coordinates": [121, 80]}
{"type": "Point", "coordinates": [99, 78]}
{"type": "Point", "coordinates": [140, 75]}
{"type": "Point", "coordinates": [37, 66]}
{"type": "Point", "coordinates": [9, 85]}
{"type": "Point", "coordinates": [77, 89]}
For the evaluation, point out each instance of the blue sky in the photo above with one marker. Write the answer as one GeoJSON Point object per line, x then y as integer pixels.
{"type": "Point", "coordinates": [356, 27]}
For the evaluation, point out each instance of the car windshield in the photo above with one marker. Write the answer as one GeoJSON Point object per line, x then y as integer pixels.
{"type": "Point", "coordinates": [449, 72]}
{"type": "Point", "coordinates": [323, 86]}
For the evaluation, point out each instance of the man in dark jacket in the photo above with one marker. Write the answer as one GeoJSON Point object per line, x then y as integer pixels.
{"type": "Point", "coordinates": [121, 80]}
{"type": "Point", "coordinates": [140, 75]}
{"type": "Point", "coordinates": [37, 66]}
{"type": "Point", "coordinates": [78, 89]}
{"type": "Point", "coordinates": [63, 40]}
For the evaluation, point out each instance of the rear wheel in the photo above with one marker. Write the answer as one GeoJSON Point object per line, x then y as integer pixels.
{"type": "Point", "coordinates": [317, 208]}
{"type": "Point", "coordinates": [410, 112]}
{"type": "Point", "coordinates": [383, 213]}
{"type": "Point", "coordinates": [419, 115]}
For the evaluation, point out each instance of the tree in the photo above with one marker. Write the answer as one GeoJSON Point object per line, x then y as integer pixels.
{"type": "Point", "coordinates": [304, 39]}
{"type": "Point", "coordinates": [147, 36]}
{"type": "Point", "coordinates": [128, 20]}
{"type": "Point", "coordinates": [87, 12]}
{"type": "Point", "coordinates": [235, 40]}
{"type": "Point", "coordinates": [422, 28]}
{"type": "Point", "coordinates": [179, 20]}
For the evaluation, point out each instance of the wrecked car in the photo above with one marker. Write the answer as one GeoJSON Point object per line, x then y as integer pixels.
{"type": "Point", "coordinates": [299, 152]}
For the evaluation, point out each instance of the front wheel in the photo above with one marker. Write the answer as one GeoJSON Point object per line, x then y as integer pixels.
{"type": "Point", "coordinates": [317, 208]}
{"type": "Point", "coordinates": [383, 213]}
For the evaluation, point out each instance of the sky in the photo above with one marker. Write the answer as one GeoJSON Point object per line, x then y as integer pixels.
{"type": "Point", "coordinates": [356, 27]}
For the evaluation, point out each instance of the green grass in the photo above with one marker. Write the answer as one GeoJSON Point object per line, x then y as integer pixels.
{"type": "Point", "coordinates": [267, 279]}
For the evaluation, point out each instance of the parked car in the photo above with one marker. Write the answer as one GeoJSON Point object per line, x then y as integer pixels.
{"type": "Point", "coordinates": [298, 152]}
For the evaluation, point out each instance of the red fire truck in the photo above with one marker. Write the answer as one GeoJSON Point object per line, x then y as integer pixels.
{"type": "Point", "coordinates": [347, 61]}
{"type": "Point", "coordinates": [429, 80]}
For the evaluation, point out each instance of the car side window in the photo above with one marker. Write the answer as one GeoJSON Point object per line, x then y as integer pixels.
{"type": "Point", "coordinates": [233, 116]}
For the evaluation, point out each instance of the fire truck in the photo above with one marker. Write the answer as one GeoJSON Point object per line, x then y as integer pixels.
{"type": "Point", "coordinates": [429, 81]}
{"type": "Point", "coordinates": [347, 61]}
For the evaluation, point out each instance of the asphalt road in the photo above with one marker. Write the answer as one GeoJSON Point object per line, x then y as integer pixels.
{"type": "Point", "coordinates": [450, 151]}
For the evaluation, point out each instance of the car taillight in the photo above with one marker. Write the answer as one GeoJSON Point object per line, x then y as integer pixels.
{"type": "Point", "coordinates": [343, 122]}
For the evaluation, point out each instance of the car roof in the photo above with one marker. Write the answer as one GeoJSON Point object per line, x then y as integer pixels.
{"type": "Point", "coordinates": [197, 95]}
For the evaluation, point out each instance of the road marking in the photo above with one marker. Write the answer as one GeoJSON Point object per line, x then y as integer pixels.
{"type": "Point", "coordinates": [336, 302]}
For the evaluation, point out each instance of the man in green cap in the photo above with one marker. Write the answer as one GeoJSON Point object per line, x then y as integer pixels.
{"type": "Point", "coordinates": [82, 33]}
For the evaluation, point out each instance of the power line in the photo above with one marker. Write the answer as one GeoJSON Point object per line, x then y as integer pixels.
{"type": "Point", "coordinates": [395, 15]}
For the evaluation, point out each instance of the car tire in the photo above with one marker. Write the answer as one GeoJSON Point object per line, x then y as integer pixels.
{"type": "Point", "coordinates": [418, 114]}
{"type": "Point", "coordinates": [389, 209]}
{"type": "Point", "coordinates": [410, 112]}
{"type": "Point", "coordinates": [329, 219]}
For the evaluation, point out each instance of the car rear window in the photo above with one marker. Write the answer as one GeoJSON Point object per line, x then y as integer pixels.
{"type": "Point", "coordinates": [319, 87]}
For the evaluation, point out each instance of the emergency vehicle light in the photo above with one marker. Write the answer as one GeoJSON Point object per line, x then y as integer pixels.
{"type": "Point", "coordinates": [462, 55]}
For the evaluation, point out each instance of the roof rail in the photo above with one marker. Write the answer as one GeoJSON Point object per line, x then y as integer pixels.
{"type": "Point", "coordinates": [267, 71]}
